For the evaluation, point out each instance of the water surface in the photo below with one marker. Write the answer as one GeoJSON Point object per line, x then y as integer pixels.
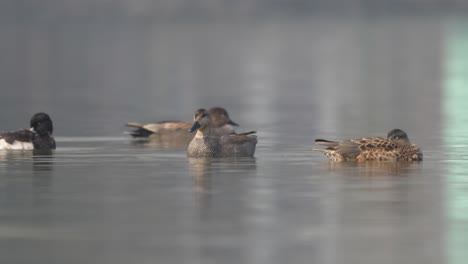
{"type": "Point", "coordinates": [103, 198]}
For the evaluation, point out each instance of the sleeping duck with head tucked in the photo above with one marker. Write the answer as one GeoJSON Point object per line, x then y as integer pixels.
{"type": "Point", "coordinates": [208, 142]}
{"type": "Point", "coordinates": [396, 147]}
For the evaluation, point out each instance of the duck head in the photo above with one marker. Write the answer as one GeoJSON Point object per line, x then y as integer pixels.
{"type": "Point", "coordinates": [398, 136]}
{"type": "Point", "coordinates": [220, 117]}
{"type": "Point", "coordinates": [201, 120]}
{"type": "Point", "coordinates": [41, 124]}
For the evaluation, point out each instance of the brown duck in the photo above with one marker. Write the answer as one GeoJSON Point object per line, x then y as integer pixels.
{"type": "Point", "coordinates": [208, 143]}
{"type": "Point", "coordinates": [177, 130]}
{"type": "Point", "coordinates": [396, 147]}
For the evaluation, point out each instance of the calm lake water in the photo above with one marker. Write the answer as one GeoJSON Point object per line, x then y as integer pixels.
{"type": "Point", "coordinates": [103, 198]}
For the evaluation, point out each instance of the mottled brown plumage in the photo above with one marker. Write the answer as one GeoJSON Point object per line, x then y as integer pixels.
{"type": "Point", "coordinates": [396, 147]}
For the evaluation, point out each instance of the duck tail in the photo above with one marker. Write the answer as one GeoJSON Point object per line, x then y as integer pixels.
{"type": "Point", "coordinates": [320, 150]}
{"type": "Point", "coordinates": [327, 143]}
{"type": "Point", "coordinates": [248, 133]}
{"type": "Point", "coordinates": [134, 124]}
{"type": "Point", "coordinates": [139, 132]}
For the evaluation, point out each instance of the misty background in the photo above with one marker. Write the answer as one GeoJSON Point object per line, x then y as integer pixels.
{"type": "Point", "coordinates": [292, 70]}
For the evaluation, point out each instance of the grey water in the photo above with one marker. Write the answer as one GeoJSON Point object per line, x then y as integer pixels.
{"type": "Point", "coordinates": [102, 197]}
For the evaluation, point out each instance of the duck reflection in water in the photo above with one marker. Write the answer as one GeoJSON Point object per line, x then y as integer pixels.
{"type": "Point", "coordinates": [375, 168]}
{"type": "Point", "coordinates": [43, 160]}
{"type": "Point", "coordinates": [227, 172]}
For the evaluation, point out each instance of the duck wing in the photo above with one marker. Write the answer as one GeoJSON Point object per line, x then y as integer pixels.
{"type": "Point", "coordinates": [23, 135]}
{"type": "Point", "coordinates": [239, 139]}
{"type": "Point", "coordinates": [375, 143]}
{"type": "Point", "coordinates": [347, 149]}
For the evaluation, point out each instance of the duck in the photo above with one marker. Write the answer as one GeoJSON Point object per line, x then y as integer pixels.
{"type": "Point", "coordinates": [210, 144]}
{"type": "Point", "coordinates": [38, 137]}
{"type": "Point", "coordinates": [169, 130]}
{"type": "Point", "coordinates": [396, 147]}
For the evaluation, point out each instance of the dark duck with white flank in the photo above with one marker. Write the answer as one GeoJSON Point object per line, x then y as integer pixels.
{"type": "Point", "coordinates": [39, 136]}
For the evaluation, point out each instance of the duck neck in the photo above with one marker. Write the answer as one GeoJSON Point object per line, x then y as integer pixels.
{"type": "Point", "coordinates": [204, 132]}
{"type": "Point", "coordinates": [43, 134]}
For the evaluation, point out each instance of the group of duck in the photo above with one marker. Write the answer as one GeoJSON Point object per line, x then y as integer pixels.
{"type": "Point", "coordinates": [216, 137]}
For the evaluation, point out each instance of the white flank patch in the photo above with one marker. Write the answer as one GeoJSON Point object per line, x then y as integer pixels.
{"type": "Point", "coordinates": [16, 145]}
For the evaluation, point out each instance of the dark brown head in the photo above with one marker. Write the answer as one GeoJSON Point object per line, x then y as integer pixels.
{"type": "Point", "coordinates": [201, 120]}
{"type": "Point", "coordinates": [398, 136]}
{"type": "Point", "coordinates": [220, 117]}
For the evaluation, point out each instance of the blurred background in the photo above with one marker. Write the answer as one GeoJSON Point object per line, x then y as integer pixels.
{"type": "Point", "coordinates": [96, 64]}
{"type": "Point", "coordinates": [293, 70]}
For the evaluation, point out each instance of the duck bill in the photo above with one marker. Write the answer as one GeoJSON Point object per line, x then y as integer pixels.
{"type": "Point", "coordinates": [230, 122]}
{"type": "Point", "coordinates": [194, 127]}
{"type": "Point", "coordinates": [32, 130]}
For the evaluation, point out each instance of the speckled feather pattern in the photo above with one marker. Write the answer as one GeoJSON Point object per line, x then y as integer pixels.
{"type": "Point", "coordinates": [201, 146]}
{"type": "Point", "coordinates": [366, 149]}
{"type": "Point", "coordinates": [232, 145]}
